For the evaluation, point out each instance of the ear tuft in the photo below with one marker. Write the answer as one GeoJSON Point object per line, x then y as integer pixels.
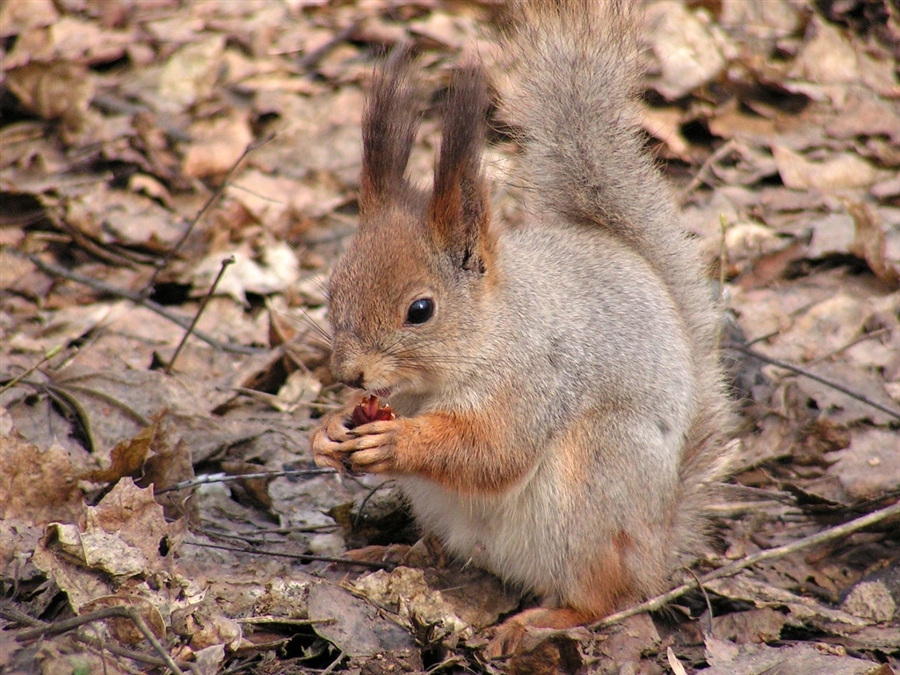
{"type": "Point", "coordinates": [459, 213]}
{"type": "Point", "coordinates": [389, 129]}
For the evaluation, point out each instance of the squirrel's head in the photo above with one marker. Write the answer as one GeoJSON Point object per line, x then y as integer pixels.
{"type": "Point", "coordinates": [411, 290]}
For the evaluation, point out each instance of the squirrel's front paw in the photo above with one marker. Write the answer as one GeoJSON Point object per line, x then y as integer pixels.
{"type": "Point", "coordinates": [328, 442]}
{"type": "Point", "coordinates": [373, 448]}
{"type": "Point", "coordinates": [368, 448]}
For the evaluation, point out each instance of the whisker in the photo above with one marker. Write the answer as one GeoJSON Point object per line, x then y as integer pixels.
{"type": "Point", "coordinates": [308, 320]}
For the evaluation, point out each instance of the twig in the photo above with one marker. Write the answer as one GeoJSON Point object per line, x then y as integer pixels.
{"type": "Point", "coordinates": [284, 621]}
{"type": "Point", "coordinates": [228, 478]}
{"type": "Point", "coordinates": [302, 557]}
{"type": "Point", "coordinates": [103, 287]}
{"type": "Point", "coordinates": [836, 532]}
{"type": "Point", "coordinates": [119, 611]}
{"type": "Point", "coordinates": [310, 60]}
{"type": "Point", "coordinates": [140, 657]}
{"type": "Point", "coordinates": [212, 289]}
{"type": "Point", "coordinates": [860, 338]}
{"type": "Point", "coordinates": [700, 177]}
{"type": "Point", "coordinates": [709, 609]}
{"type": "Point", "coordinates": [334, 664]}
{"type": "Point", "coordinates": [213, 198]}
{"type": "Point", "coordinates": [818, 378]}
{"type": "Point", "coordinates": [18, 378]}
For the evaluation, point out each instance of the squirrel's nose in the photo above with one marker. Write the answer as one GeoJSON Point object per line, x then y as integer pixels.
{"type": "Point", "coordinates": [356, 380]}
{"type": "Point", "coordinates": [350, 377]}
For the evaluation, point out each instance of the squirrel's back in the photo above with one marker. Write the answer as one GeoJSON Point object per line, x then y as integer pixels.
{"type": "Point", "coordinates": [572, 97]}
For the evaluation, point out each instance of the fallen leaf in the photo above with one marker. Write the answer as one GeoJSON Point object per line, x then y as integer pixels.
{"type": "Point", "coordinates": [421, 609]}
{"type": "Point", "coordinates": [353, 625]}
{"type": "Point", "coordinates": [216, 144]}
{"type": "Point", "coordinates": [124, 629]}
{"type": "Point", "coordinates": [870, 466]}
{"type": "Point", "coordinates": [687, 54]}
{"type": "Point", "coordinates": [872, 601]}
{"type": "Point", "coordinates": [870, 243]}
{"type": "Point", "coordinates": [36, 486]}
{"type": "Point", "coordinates": [20, 16]}
{"type": "Point", "coordinates": [53, 90]}
{"type": "Point", "coordinates": [845, 171]}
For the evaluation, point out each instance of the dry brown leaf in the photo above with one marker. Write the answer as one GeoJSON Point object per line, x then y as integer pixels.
{"type": "Point", "coordinates": [122, 217]}
{"type": "Point", "coordinates": [418, 607]}
{"type": "Point", "coordinates": [870, 466]}
{"type": "Point", "coordinates": [190, 74]}
{"type": "Point", "coordinates": [687, 54]}
{"type": "Point", "coordinates": [205, 625]}
{"type": "Point", "coordinates": [53, 90]}
{"type": "Point", "coordinates": [272, 270]}
{"type": "Point", "coordinates": [845, 409]}
{"type": "Point", "coordinates": [801, 659]}
{"type": "Point", "coordinates": [755, 625]}
{"type": "Point", "coordinates": [871, 600]}
{"type": "Point", "coordinates": [870, 243]}
{"type": "Point", "coordinates": [216, 144]}
{"type": "Point", "coordinates": [628, 640]}
{"type": "Point", "coordinates": [762, 594]}
{"type": "Point", "coordinates": [123, 629]}
{"type": "Point", "coordinates": [845, 171]}
{"type": "Point", "coordinates": [36, 486]}
{"type": "Point", "coordinates": [128, 456]}
{"type": "Point", "coordinates": [355, 627]}
{"type": "Point", "coordinates": [828, 58]}
{"type": "Point", "coordinates": [84, 41]}
{"type": "Point", "coordinates": [20, 16]}
{"type": "Point", "coordinates": [124, 537]}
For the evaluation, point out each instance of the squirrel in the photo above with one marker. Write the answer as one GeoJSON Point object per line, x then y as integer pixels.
{"type": "Point", "coordinates": [561, 413]}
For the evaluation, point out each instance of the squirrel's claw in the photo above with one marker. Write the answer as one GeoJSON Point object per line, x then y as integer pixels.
{"type": "Point", "coordinates": [374, 448]}
{"type": "Point", "coordinates": [328, 441]}
{"type": "Point", "coordinates": [368, 448]}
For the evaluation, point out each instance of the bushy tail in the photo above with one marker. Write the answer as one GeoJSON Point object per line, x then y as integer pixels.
{"type": "Point", "coordinates": [574, 82]}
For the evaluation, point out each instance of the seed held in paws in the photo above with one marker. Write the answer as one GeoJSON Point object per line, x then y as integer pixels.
{"type": "Point", "coordinates": [368, 410]}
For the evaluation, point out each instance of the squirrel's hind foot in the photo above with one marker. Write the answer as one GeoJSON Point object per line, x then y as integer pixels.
{"type": "Point", "coordinates": [507, 639]}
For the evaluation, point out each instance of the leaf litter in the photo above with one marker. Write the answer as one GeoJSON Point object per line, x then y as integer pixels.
{"type": "Point", "coordinates": [174, 516]}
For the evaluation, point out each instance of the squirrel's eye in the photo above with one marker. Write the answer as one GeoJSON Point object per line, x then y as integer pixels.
{"type": "Point", "coordinates": [420, 311]}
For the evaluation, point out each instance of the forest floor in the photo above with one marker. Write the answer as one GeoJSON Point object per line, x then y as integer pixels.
{"type": "Point", "coordinates": [160, 514]}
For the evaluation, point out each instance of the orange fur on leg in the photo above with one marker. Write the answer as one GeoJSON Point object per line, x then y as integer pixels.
{"type": "Point", "coordinates": [509, 634]}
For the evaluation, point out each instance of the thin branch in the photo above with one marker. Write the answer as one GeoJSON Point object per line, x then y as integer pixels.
{"type": "Point", "coordinates": [311, 59]}
{"type": "Point", "coordinates": [213, 198]}
{"type": "Point", "coordinates": [103, 287]}
{"type": "Point", "coordinates": [701, 175]}
{"type": "Point", "coordinates": [119, 611]}
{"type": "Point", "coordinates": [818, 378]}
{"type": "Point", "coordinates": [302, 557]}
{"type": "Point", "coordinates": [18, 378]}
{"type": "Point", "coordinates": [228, 478]}
{"type": "Point", "coordinates": [733, 568]}
{"type": "Point", "coordinates": [212, 289]}
{"type": "Point", "coordinates": [284, 621]}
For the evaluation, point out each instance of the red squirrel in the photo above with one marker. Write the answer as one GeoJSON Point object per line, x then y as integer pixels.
{"type": "Point", "coordinates": [560, 412]}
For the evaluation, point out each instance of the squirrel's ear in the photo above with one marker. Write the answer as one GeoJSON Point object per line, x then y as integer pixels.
{"type": "Point", "coordinates": [459, 214]}
{"type": "Point", "coordinates": [389, 128]}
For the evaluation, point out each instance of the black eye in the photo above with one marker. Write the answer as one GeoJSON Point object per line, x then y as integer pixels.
{"type": "Point", "coordinates": [420, 311]}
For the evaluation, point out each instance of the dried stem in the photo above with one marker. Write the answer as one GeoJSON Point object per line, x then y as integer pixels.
{"type": "Point", "coordinates": [212, 289]}
{"type": "Point", "coordinates": [733, 568]}
{"type": "Point", "coordinates": [100, 615]}
{"type": "Point", "coordinates": [227, 478]}
{"type": "Point", "coordinates": [302, 557]}
{"type": "Point", "coordinates": [818, 378]}
{"type": "Point", "coordinates": [213, 198]}
{"type": "Point", "coordinates": [103, 287]}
